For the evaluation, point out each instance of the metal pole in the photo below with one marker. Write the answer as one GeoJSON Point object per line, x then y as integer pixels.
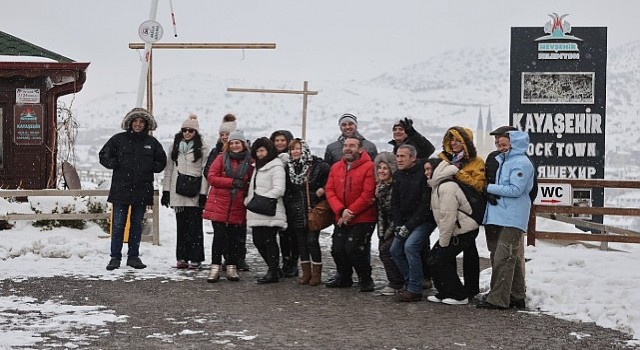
{"type": "Point", "coordinates": [145, 63]}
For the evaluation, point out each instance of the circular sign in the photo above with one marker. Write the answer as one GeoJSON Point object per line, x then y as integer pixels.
{"type": "Point", "coordinates": [150, 31]}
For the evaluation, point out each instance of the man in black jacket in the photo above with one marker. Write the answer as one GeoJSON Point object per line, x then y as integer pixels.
{"type": "Point", "coordinates": [405, 134]}
{"type": "Point", "coordinates": [412, 216]}
{"type": "Point", "coordinates": [134, 156]}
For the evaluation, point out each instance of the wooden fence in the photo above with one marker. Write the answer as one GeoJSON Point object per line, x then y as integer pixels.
{"type": "Point", "coordinates": [150, 214]}
{"type": "Point", "coordinates": [606, 233]}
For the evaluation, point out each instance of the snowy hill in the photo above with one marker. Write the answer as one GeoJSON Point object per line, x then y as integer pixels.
{"type": "Point", "coordinates": [443, 90]}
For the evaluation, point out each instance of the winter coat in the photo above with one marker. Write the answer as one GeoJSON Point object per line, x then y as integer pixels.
{"type": "Point", "coordinates": [212, 156]}
{"type": "Point", "coordinates": [134, 158]}
{"type": "Point", "coordinates": [514, 181]}
{"type": "Point", "coordinates": [411, 198]}
{"type": "Point", "coordinates": [472, 170]}
{"type": "Point", "coordinates": [415, 139]}
{"type": "Point", "coordinates": [269, 181]}
{"type": "Point", "coordinates": [295, 199]}
{"type": "Point", "coordinates": [185, 165]}
{"type": "Point", "coordinates": [449, 205]}
{"type": "Point", "coordinates": [225, 204]}
{"type": "Point", "coordinates": [353, 189]}
{"type": "Point", "coordinates": [333, 153]}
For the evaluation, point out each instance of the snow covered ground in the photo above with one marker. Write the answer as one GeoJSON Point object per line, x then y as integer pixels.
{"type": "Point", "coordinates": [573, 282]}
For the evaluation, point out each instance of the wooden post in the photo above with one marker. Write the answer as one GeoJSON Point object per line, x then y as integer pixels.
{"type": "Point", "coordinates": [304, 92]}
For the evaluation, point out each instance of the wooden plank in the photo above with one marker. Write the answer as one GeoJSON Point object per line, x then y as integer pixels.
{"type": "Point", "coordinates": [593, 183]}
{"type": "Point", "coordinates": [586, 237]}
{"type": "Point", "coordinates": [586, 210]}
{"type": "Point", "coordinates": [591, 225]}
{"type": "Point", "coordinates": [53, 193]}
{"type": "Point", "coordinates": [68, 216]}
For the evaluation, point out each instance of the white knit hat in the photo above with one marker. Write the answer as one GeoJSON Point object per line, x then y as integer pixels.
{"type": "Point", "coordinates": [228, 123]}
{"type": "Point", "coordinates": [191, 123]}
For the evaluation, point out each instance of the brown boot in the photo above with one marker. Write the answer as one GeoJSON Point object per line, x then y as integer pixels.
{"type": "Point", "coordinates": [306, 272]}
{"type": "Point", "coordinates": [232, 273]}
{"type": "Point", "coordinates": [316, 274]}
{"type": "Point", "coordinates": [214, 274]}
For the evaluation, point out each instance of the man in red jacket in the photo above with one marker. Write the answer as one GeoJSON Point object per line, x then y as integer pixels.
{"type": "Point", "coordinates": [350, 192]}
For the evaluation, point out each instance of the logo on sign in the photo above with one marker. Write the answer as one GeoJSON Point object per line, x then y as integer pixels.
{"type": "Point", "coordinates": [557, 29]}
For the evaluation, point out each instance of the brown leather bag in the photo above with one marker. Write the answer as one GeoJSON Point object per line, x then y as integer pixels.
{"type": "Point", "coordinates": [320, 216]}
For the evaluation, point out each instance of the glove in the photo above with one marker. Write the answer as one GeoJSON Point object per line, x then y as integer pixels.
{"type": "Point", "coordinates": [492, 199]}
{"type": "Point", "coordinates": [402, 232]}
{"type": "Point", "coordinates": [239, 183]}
{"type": "Point", "coordinates": [165, 199]}
{"type": "Point", "coordinates": [202, 200]}
{"type": "Point", "coordinates": [407, 125]}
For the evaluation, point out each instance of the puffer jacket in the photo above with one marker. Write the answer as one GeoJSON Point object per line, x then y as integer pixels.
{"type": "Point", "coordinates": [449, 205]}
{"type": "Point", "coordinates": [514, 181]}
{"type": "Point", "coordinates": [411, 198]}
{"type": "Point", "coordinates": [225, 204]}
{"type": "Point", "coordinates": [269, 181]}
{"type": "Point", "coordinates": [353, 189]}
{"type": "Point", "coordinates": [185, 165]}
{"type": "Point", "coordinates": [134, 158]}
{"type": "Point", "coordinates": [295, 199]}
{"type": "Point", "coordinates": [472, 171]}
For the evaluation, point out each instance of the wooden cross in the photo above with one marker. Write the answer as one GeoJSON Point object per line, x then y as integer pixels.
{"type": "Point", "coordinates": [233, 46]}
{"type": "Point", "coordinates": [305, 92]}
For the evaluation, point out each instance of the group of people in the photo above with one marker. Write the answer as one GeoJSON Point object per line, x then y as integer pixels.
{"type": "Point", "coordinates": [406, 193]}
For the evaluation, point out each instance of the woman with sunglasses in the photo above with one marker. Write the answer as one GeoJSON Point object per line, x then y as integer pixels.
{"type": "Point", "coordinates": [187, 155]}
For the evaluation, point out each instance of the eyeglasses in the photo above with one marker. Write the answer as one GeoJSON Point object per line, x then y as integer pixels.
{"type": "Point", "coordinates": [189, 130]}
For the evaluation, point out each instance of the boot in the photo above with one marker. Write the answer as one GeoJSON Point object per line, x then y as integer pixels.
{"type": "Point", "coordinates": [306, 273]}
{"type": "Point", "coordinates": [232, 273]}
{"type": "Point", "coordinates": [214, 274]}
{"type": "Point", "coordinates": [114, 263]}
{"type": "Point", "coordinates": [316, 274]}
{"type": "Point", "coordinates": [292, 269]}
{"type": "Point", "coordinates": [270, 277]}
{"type": "Point", "coordinates": [366, 284]}
{"type": "Point", "coordinates": [242, 265]}
{"type": "Point", "coordinates": [136, 263]}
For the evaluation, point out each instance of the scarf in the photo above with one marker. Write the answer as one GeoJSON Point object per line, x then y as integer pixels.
{"type": "Point", "coordinates": [241, 170]}
{"type": "Point", "coordinates": [185, 146]}
{"type": "Point", "coordinates": [298, 168]}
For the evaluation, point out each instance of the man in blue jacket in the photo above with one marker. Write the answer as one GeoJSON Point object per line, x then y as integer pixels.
{"type": "Point", "coordinates": [509, 217]}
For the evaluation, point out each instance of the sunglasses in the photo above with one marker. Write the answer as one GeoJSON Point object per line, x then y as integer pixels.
{"type": "Point", "coordinates": [189, 130]}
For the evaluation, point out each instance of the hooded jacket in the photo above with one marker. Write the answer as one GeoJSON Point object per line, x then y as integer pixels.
{"type": "Point", "coordinates": [353, 189]}
{"type": "Point", "coordinates": [449, 204]}
{"type": "Point", "coordinates": [514, 181]}
{"type": "Point", "coordinates": [134, 157]}
{"type": "Point", "coordinates": [269, 181]}
{"type": "Point", "coordinates": [472, 170]}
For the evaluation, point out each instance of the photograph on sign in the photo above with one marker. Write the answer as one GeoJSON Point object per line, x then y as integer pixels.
{"type": "Point", "coordinates": [558, 87]}
{"type": "Point", "coordinates": [582, 198]}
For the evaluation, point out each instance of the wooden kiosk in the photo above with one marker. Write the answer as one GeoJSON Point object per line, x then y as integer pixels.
{"type": "Point", "coordinates": [29, 94]}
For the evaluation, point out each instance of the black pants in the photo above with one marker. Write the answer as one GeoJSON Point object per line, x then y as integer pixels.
{"type": "Point", "coordinates": [226, 241]}
{"type": "Point", "coordinates": [309, 245]}
{"type": "Point", "coordinates": [289, 245]}
{"type": "Point", "coordinates": [443, 263]}
{"type": "Point", "coordinates": [350, 247]}
{"type": "Point", "coordinates": [189, 242]}
{"type": "Point", "coordinates": [264, 238]}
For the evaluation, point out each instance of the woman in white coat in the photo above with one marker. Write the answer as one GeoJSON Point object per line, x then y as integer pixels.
{"type": "Point", "coordinates": [187, 155]}
{"type": "Point", "coordinates": [269, 180]}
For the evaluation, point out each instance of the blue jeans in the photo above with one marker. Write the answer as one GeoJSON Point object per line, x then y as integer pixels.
{"type": "Point", "coordinates": [406, 254]}
{"type": "Point", "coordinates": [120, 212]}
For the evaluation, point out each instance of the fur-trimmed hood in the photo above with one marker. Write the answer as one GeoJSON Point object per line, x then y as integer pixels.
{"type": "Point", "coordinates": [142, 113]}
{"type": "Point", "coordinates": [463, 134]}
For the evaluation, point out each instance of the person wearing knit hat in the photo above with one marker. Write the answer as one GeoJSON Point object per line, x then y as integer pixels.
{"type": "Point", "coordinates": [348, 124]}
{"type": "Point", "coordinates": [134, 156]}
{"type": "Point", "coordinates": [385, 165]}
{"type": "Point", "coordinates": [404, 133]}
{"type": "Point", "coordinates": [186, 157]}
{"type": "Point", "coordinates": [228, 124]}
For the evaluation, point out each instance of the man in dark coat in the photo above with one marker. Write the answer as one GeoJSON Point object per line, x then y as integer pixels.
{"type": "Point", "coordinates": [134, 156]}
{"type": "Point", "coordinates": [405, 134]}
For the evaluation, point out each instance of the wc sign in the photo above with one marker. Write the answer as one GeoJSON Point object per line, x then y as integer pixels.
{"type": "Point", "coordinates": [554, 194]}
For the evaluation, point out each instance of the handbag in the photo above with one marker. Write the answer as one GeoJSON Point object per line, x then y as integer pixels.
{"type": "Point", "coordinates": [261, 204]}
{"type": "Point", "coordinates": [187, 185]}
{"type": "Point", "coordinates": [320, 216]}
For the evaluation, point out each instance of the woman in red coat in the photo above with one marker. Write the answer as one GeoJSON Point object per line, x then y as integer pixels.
{"type": "Point", "coordinates": [229, 177]}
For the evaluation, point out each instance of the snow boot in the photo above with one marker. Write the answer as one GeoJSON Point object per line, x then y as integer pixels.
{"type": "Point", "coordinates": [316, 274]}
{"type": "Point", "coordinates": [306, 273]}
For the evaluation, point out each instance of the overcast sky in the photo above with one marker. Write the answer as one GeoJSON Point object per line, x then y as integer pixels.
{"type": "Point", "coordinates": [335, 39]}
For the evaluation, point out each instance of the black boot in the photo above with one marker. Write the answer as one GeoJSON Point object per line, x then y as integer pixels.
{"type": "Point", "coordinates": [341, 280]}
{"type": "Point", "coordinates": [242, 265]}
{"type": "Point", "coordinates": [366, 284]}
{"type": "Point", "coordinates": [291, 269]}
{"type": "Point", "coordinates": [270, 277]}
{"type": "Point", "coordinates": [136, 263]}
{"type": "Point", "coordinates": [114, 263]}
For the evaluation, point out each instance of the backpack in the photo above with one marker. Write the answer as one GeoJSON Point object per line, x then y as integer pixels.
{"type": "Point", "coordinates": [476, 199]}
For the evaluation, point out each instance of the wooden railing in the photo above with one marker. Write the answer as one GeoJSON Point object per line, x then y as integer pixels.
{"type": "Point", "coordinates": [607, 233]}
{"type": "Point", "coordinates": [152, 214]}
